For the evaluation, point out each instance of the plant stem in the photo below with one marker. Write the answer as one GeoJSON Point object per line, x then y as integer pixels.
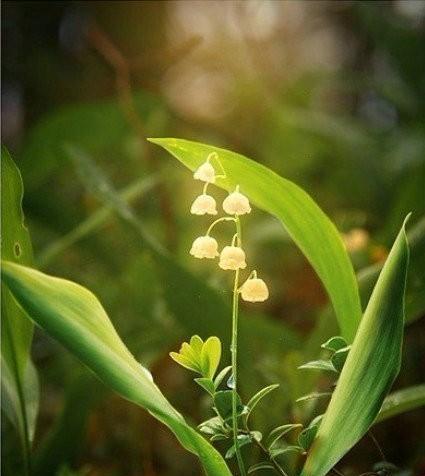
{"type": "Point", "coordinates": [234, 351]}
{"type": "Point", "coordinates": [219, 220]}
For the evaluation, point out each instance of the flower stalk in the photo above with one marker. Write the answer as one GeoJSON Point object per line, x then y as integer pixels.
{"type": "Point", "coordinates": [231, 258]}
{"type": "Point", "coordinates": [234, 353]}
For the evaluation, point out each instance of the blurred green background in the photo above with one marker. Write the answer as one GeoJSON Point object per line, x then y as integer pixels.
{"type": "Point", "coordinates": [330, 95]}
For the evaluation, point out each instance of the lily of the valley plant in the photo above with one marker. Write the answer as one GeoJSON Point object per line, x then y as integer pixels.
{"type": "Point", "coordinates": [231, 258]}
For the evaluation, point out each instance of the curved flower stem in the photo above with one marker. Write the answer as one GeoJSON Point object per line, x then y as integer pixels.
{"type": "Point", "coordinates": [219, 220]}
{"type": "Point", "coordinates": [234, 351]}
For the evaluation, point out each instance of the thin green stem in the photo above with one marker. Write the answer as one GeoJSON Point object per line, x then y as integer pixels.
{"type": "Point", "coordinates": [234, 351]}
{"type": "Point", "coordinates": [219, 220]}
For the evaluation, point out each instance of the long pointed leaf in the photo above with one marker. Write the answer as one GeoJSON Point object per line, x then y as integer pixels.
{"type": "Point", "coordinates": [308, 225]}
{"type": "Point", "coordinates": [370, 369]}
{"type": "Point", "coordinates": [402, 401]}
{"type": "Point", "coordinates": [73, 315]}
{"type": "Point", "coordinates": [19, 383]}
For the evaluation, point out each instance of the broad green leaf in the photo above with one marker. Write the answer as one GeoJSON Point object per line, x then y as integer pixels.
{"type": "Point", "coordinates": [196, 343]}
{"type": "Point", "coordinates": [185, 362]}
{"type": "Point", "coordinates": [370, 369]}
{"type": "Point", "coordinates": [73, 315]}
{"type": "Point", "coordinates": [334, 343]}
{"type": "Point", "coordinates": [309, 227]}
{"type": "Point", "coordinates": [223, 404]}
{"type": "Point", "coordinates": [339, 358]}
{"type": "Point", "coordinates": [402, 401]}
{"type": "Point", "coordinates": [187, 351]}
{"type": "Point", "coordinates": [207, 384]}
{"type": "Point", "coordinates": [211, 426]}
{"type": "Point", "coordinates": [306, 437]}
{"type": "Point", "coordinates": [210, 356]}
{"type": "Point", "coordinates": [19, 384]}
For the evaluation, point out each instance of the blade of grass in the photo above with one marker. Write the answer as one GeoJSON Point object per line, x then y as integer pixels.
{"type": "Point", "coordinates": [94, 221]}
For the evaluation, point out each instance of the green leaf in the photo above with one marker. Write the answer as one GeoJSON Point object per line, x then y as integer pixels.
{"type": "Point", "coordinates": [212, 426]}
{"type": "Point", "coordinates": [187, 351]}
{"type": "Point", "coordinates": [339, 358]}
{"type": "Point", "coordinates": [415, 297]}
{"type": "Point", "coordinates": [220, 376]}
{"type": "Point", "coordinates": [207, 384]}
{"type": "Point", "coordinates": [306, 437]}
{"type": "Point", "coordinates": [370, 369]}
{"type": "Point", "coordinates": [95, 221]}
{"type": "Point", "coordinates": [279, 432]}
{"type": "Point", "coordinates": [255, 399]}
{"type": "Point", "coordinates": [309, 227]}
{"type": "Point", "coordinates": [185, 361]}
{"type": "Point", "coordinates": [242, 441]}
{"type": "Point", "coordinates": [196, 343]}
{"type": "Point", "coordinates": [223, 404]}
{"type": "Point", "coordinates": [259, 467]}
{"type": "Point", "coordinates": [334, 343]}
{"type": "Point", "coordinates": [19, 384]}
{"type": "Point", "coordinates": [288, 449]}
{"type": "Point", "coordinates": [318, 365]}
{"type": "Point", "coordinates": [402, 401]}
{"type": "Point", "coordinates": [210, 313]}
{"type": "Point", "coordinates": [313, 396]}
{"type": "Point", "coordinates": [73, 315]}
{"type": "Point", "coordinates": [210, 356]}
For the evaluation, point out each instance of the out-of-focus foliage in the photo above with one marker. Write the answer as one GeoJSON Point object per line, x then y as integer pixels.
{"type": "Point", "coordinates": [328, 94]}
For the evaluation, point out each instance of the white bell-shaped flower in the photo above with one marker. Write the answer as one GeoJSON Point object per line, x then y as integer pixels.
{"type": "Point", "coordinates": [204, 204]}
{"type": "Point", "coordinates": [232, 257]}
{"type": "Point", "coordinates": [204, 247]}
{"type": "Point", "coordinates": [254, 290]}
{"type": "Point", "coordinates": [236, 203]}
{"type": "Point", "coordinates": [205, 172]}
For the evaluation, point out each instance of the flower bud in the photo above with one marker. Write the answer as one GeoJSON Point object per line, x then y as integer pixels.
{"type": "Point", "coordinates": [205, 172]}
{"type": "Point", "coordinates": [254, 290]}
{"type": "Point", "coordinates": [204, 247]}
{"type": "Point", "coordinates": [204, 204]}
{"type": "Point", "coordinates": [236, 203]}
{"type": "Point", "coordinates": [232, 257]}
